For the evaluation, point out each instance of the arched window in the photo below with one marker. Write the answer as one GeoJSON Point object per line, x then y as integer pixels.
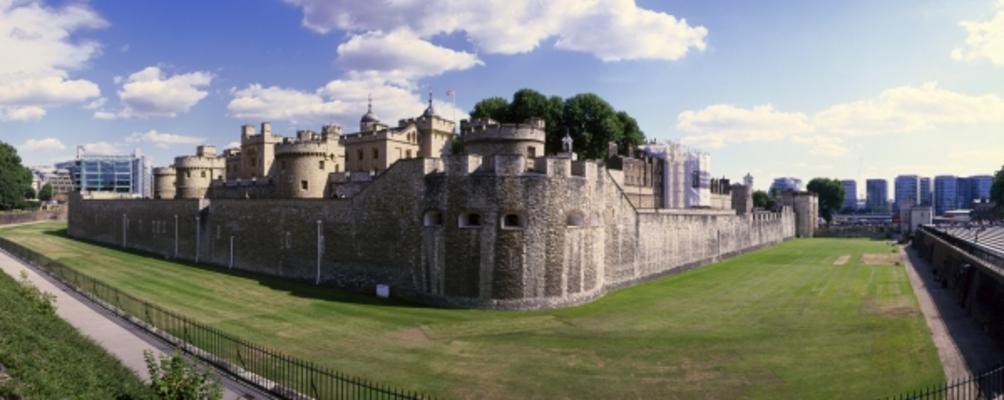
{"type": "Point", "coordinates": [574, 218]}
{"type": "Point", "coordinates": [469, 220]}
{"type": "Point", "coordinates": [432, 218]}
{"type": "Point", "coordinates": [513, 221]}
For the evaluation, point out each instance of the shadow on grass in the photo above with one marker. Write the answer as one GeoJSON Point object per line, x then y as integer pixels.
{"type": "Point", "coordinates": [328, 291]}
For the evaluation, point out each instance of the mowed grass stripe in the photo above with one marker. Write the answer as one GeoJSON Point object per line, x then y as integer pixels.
{"type": "Point", "coordinates": [780, 322]}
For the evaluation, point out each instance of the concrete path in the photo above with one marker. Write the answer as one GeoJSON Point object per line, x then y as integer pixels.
{"type": "Point", "coordinates": [962, 345]}
{"type": "Point", "coordinates": [120, 338]}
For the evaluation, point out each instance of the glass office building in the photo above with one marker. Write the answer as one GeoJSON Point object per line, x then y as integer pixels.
{"type": "Point", "coordinates": [111, 173]}
{"type": "Point", "coordinates": [926, 194]}
{"type": "Point", "coordinates": [946, 194]}
{"type": "Point", "coordinates": [907, 190]}
{"type": "Point", "coordinates": [877, 195]}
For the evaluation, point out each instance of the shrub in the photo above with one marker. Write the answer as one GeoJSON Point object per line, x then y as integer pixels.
{"type": "Point", "coordinates": [173, 377]}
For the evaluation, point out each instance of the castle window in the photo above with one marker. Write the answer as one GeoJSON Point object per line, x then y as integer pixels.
{"type": "Point", "coordinates": [188, 174]}
{"type": "Point", "coordinates": [337, 168]}
{"type": "Point", "coordinates": [203, 174]}
{"type": "Point", "coordinates": [282, 165]}
{"type": "Point", "coordinates": [470, 220]}
{"type": "Point", "coordinates": [303, 185]}
{"type": "Point", "coordinates": [531, 152]}
{"type": "Point", "coordinates": [320, 164]}
{"type": "Point", "coordinates": [574, 218]}
{"type": "Point", "coordinates": [376, 154]}
{"type": "Point", "coordinates": [513, 221]}
{"type": "Point", "coordinates": [407, 154]}
{"type": "Point", "coordinates": [360, 154]}
{"type": "Point", "coordinates": [432, 218]}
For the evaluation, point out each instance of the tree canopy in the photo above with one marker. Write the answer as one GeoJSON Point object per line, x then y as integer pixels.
{"type": "Point", "coordinates": [763, 200]}
{"type": "Point", "coordinates": [15, 179]}
{"type": "Point", "coordinates": [589, 119]}
{"type": "Point", "coordinates": [831, 195]}
{"type": "Point", "coordinates": [997, 191]}
{"type": "Point", "coordinates": [46, 193]}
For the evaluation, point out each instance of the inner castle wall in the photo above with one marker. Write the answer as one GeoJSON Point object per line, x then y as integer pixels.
{"type": "Point", "coordinates": [503, 232]}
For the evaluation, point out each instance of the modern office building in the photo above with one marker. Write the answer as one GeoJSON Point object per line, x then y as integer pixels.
{"type": "Point", "coordinates": [926, 199]}
{"type": "Point", "coordinates": [946, 194]}
{"type": "Point", "coordinates": [877, 195]}
{"type": "Point", "coordinates": [980, 185]}
{"type": "Point", "coordinates": [110, 173]}
{"type": "Point", "coordinates": [907, 189]}
{"type": "Point", "coordinates": [963, 193]}
{"type": "Point", "coordinates": [785, 184]}
{"type": "Point", "coordinates": [850, 194]}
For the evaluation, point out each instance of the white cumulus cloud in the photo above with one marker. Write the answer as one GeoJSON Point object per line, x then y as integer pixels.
{"type": "Point", "coordinates": [898, 110]}
{"type": "Point", "coordinates": [984, 39]}
{"type": "Point", "coordinates": [103, 148]}
{"type": "Point", "coordinates": [151, 93]}
{"type": "Point", "coordinates": [41, 50]}
{"type": "Point", "coordinates": [608, 29]}
{"type": "Point", "coordinates": [47, 144]}
{"type": "Point", "coordinates": [400, 56]}
{"type": "Point", "coordinates": [721, 124]}
{"type": "Point", "coordinates": [162, 139]}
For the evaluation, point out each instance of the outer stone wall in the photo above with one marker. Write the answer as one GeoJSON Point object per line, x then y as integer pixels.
{"type": "Point", "coordinates": [464, 231]}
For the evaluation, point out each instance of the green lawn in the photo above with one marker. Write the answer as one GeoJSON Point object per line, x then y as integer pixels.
{"type": "Point", "coordinates": [782, 322]}
{"type": "Point", "coordinates": [46, 358]}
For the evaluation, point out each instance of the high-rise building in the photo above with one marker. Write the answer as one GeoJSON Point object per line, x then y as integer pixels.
{"type": "Point", "coordinates": [907, 189]}
{"type": "Point", "coordinates": [981, 186]}
{"type": "Point", "coordinates": [963, 193]}
{"type": "Point", "coordinates": [925, 192]}
{"type": "Point", "coordinates": [946, 194]}
{"type": "Point", "coordinates": [850, 194]}
{"type": "Point", "coordinates": [877, 195]}
{"type": "Point", "coordinates": [785, 184]}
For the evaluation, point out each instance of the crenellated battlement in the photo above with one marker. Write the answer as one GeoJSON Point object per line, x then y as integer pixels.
{"type": "Point", "coordinates": [164, 171]}
{"type": "Point", "coordinates": [199, 162]}
{"type": "Point", "coordinates": [480, 129]}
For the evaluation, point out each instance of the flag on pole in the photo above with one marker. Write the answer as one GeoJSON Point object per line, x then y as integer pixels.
{"type": "Point", "coordinates": [451, 93]}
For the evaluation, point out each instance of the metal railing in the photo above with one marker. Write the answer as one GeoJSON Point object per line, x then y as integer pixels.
{"type": "Point", "coordinates": [988, 385]}
{"type": "Point", "coordinates": [974, 249]}
{"type": "Point", "coordinates": [267, 369]}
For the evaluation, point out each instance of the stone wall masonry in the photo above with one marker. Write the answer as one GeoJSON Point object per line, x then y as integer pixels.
{"type": "Point", "coordinates": [464, 231]}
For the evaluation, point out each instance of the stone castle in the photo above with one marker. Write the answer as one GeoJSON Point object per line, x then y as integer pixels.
{"type": "Point", "coordinates": [499, 226]}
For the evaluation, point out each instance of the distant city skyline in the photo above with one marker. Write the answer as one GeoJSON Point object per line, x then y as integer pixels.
{"type": "Point", "coordinates": [920, 91]}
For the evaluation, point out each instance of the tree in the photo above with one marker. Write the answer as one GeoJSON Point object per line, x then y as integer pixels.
{"type": "Point", "coordinates": [46, 193]}
{"type": "Point", "coordinates": [763, 200]}
{"type": "Point", "coordinates": [496, 108]}
{"type": "Point", "coordinates": [15, 179]}
{"type": "Point", "coordinates": [174, 378]}
{"type": "Point", "coordinates": [589, 119]}
{"type": "Point", "coordinates": [831, 195]}
{"type": "Point", "coordinates": [997, 191]}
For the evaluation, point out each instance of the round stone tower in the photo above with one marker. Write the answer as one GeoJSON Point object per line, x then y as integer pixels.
{"type": "Point", "coordinates": [195, 173]}
{"type": "Point", "coordinates": [163, 182]}
{"type": "Point", "coordinates": [486, 137]}
{"type": "Point", "coordinates": [304, 163]}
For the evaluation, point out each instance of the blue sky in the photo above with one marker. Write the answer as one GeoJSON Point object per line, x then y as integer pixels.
{"type": "Point", "coordinates": [850, 89]}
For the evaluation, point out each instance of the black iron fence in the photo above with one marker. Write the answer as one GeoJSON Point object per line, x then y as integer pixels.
{"type": "Point", "coordinates": [273, 372]}
{"type": "Point", "coordinates": [988, 385]}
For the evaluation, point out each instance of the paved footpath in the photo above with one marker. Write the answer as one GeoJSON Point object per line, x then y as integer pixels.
{"type": "Point", "coordinates": [962, 346]}
{"type": "Point", "coordinates": [120, 338]}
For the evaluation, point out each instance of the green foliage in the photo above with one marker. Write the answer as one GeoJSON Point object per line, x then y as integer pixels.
{"type": "Point", "coordinates": [15, 179]}
{"type": "Point", "coordinates": [46, 358]}
{"type": "Point", "coordinates": [456, 146]}
{"type": "Point", "coordinates": [831, 195]}
{"type": "Point", "coordinates": [763, 200]}
{"type": "Point", "coordinates": [46, 193]}
{"type": "Point", "coordinates": [721, 320]}
{"type": "Point", "coordinates": [496, 108]}
{"type": "Point", "coordinates": [173, 377]}
{"type": "Point", "coordinates": [997, 191]}
{"type": "Point", "coordinates": [44, 302]}
{"type": "Point", "coordinates": [590, 120]}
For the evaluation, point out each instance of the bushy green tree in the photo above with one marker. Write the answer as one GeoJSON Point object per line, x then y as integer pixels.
{"type": "Point", "coordinates": [590, 120]}
{"type": "Point", "coordinates": [15, 179]}
{"type": "Point", "coordinates": [997, 191]}
{"type": "Point", "coordinates": [46, 193]}
{"type": "Point", "coordinates": [763, 200]}
{"type": "Point", "coordinates": [830, 193]}
{"type": "Point", "coordinates": [173, 377]}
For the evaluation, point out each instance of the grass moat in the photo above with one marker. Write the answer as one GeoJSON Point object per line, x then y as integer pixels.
{"type": "Point", "coordinates": [815, 318]}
